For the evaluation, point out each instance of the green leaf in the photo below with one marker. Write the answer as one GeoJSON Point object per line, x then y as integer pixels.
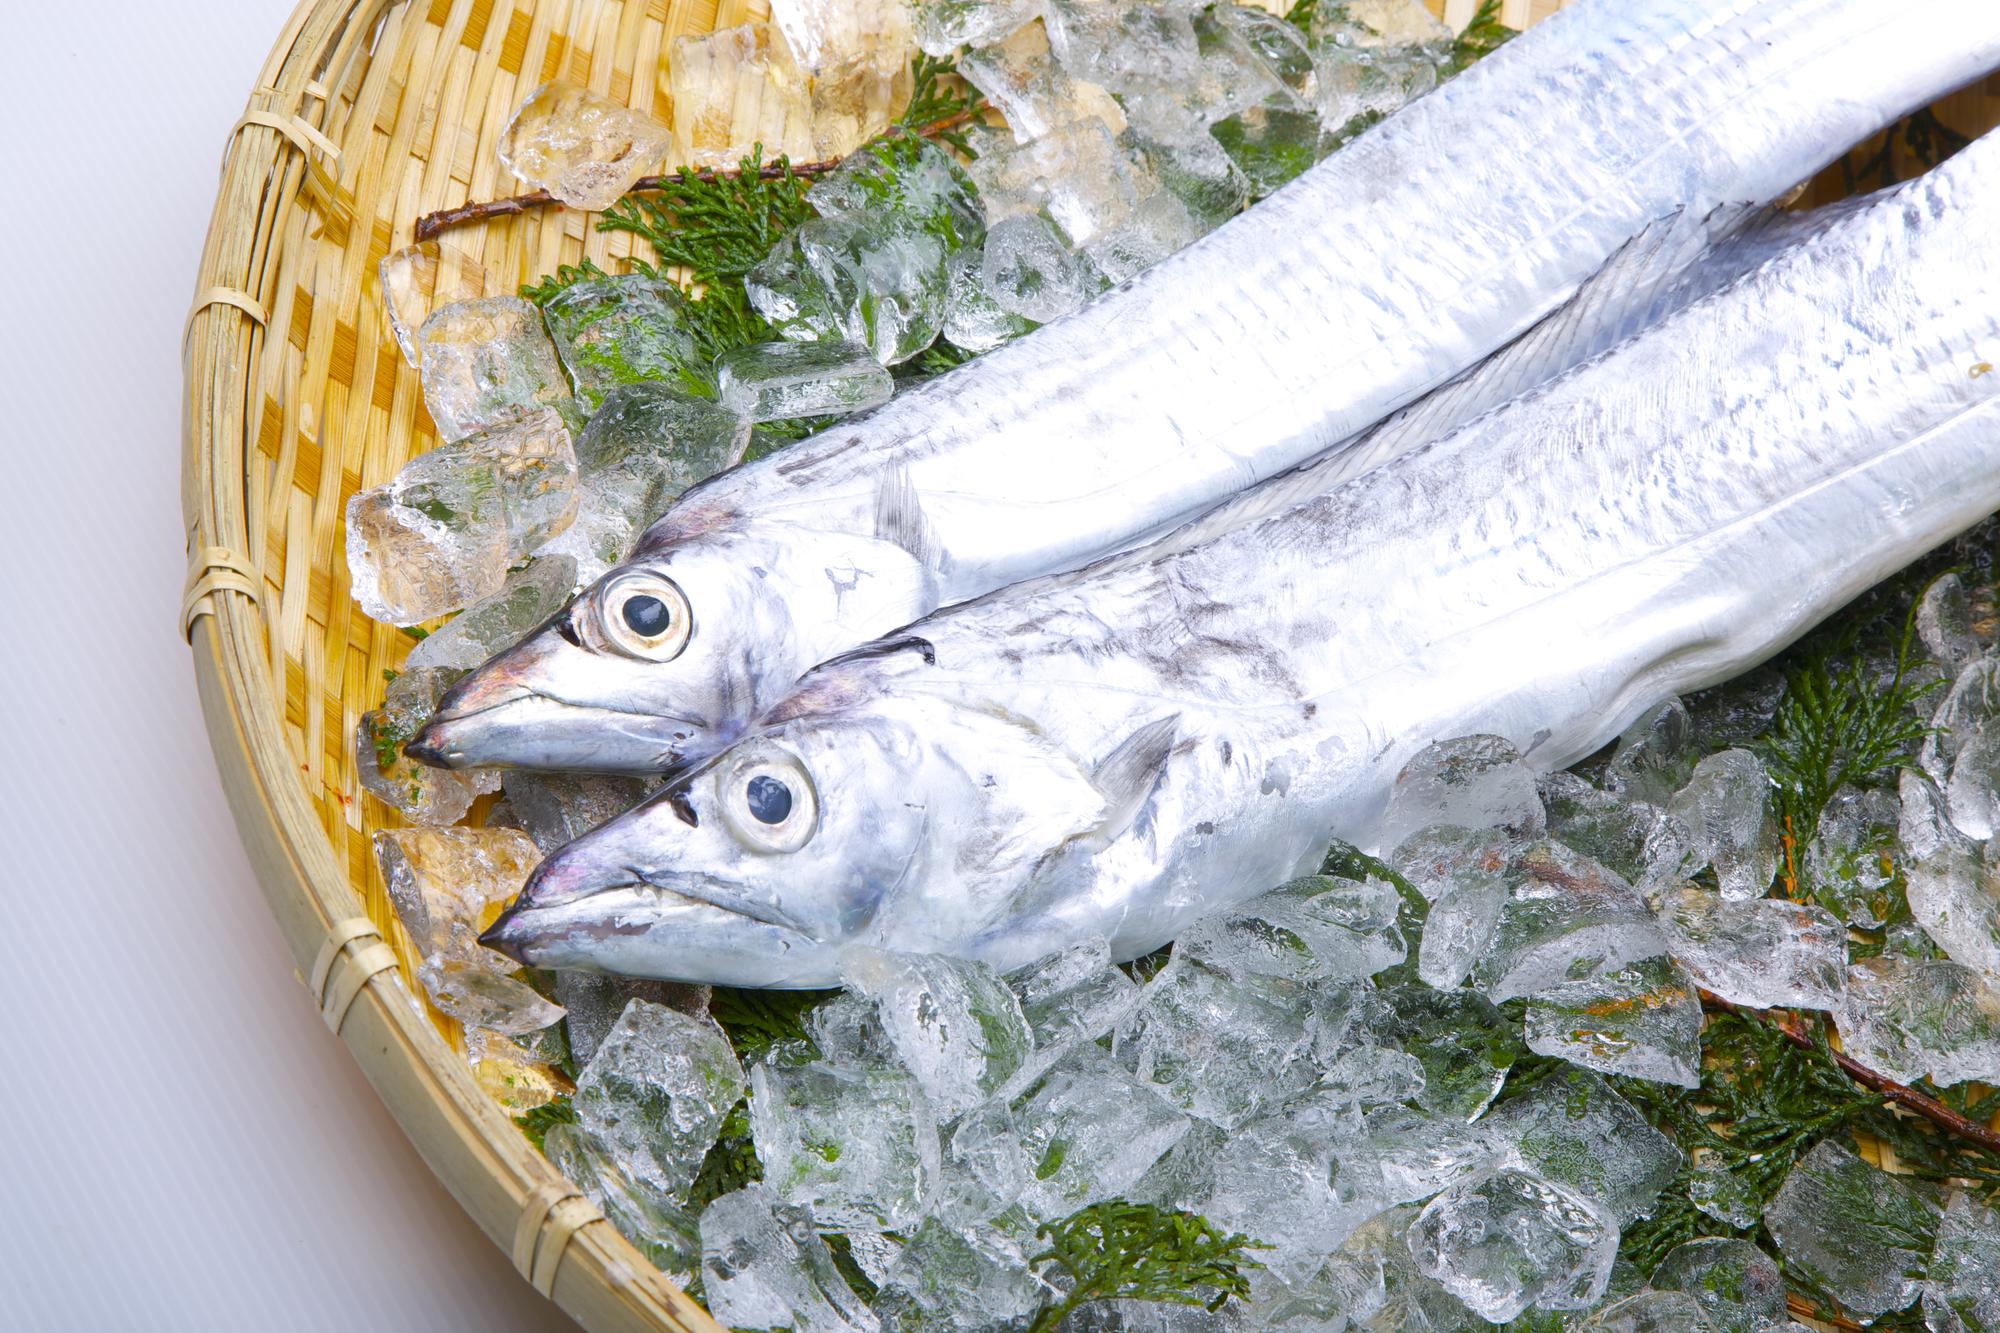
{"type": "Point", "coordinates": [536, 1122]}
{"type": "Point", "coordinates": [1137, 1251]}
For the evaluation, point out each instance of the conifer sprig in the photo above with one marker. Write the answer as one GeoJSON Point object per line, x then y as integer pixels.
{"type": "Point", "coordinates": [1137, 1251]}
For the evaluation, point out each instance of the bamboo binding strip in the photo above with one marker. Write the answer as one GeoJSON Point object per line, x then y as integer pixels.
{"type": "Point", "coordinates": [367, 115]}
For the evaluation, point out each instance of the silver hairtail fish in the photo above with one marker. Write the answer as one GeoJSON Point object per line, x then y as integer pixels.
{"type": "Point", "coordinates": [1379, 275]}
{"type": "Point", "coordinates": [1123, 749]}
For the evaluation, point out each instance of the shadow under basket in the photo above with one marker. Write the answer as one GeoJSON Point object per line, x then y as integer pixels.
{"type": "Point", "coordinates": [366, 116]}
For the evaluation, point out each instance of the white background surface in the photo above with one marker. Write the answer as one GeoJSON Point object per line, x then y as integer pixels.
{"type": "Point", "coordinates": [183, 1145]}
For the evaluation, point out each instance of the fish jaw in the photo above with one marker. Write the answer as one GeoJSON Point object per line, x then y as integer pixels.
{"type": "Point", "coordinates": [762, 603]}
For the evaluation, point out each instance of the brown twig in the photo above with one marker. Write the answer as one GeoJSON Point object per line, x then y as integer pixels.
{"type": "Point", "coordinates": [1910, 1099]}
{"type": "Point", "coordinates": [1796, 1305]}
{"type": "Point", "coordinates": [444, 219]}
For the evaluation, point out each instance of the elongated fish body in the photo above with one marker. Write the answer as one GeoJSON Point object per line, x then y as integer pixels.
{"type": "Point", "coordinates": [1384, 272]}
{"type": "Point", "coordinates": [1121, 750]}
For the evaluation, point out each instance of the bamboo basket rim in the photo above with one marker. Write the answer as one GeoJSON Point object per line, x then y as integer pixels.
{"type": "Point", "coordinates": [290, 175]}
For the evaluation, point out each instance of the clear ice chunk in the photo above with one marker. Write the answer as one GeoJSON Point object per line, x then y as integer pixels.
{"type": "Point", "coordinates": [580, 146]}
{"type": "Point", "coordinates": [1973, 698]}
{"type": "Point", "coordinates": [955, 1023]}
{"type": "Point", "coordinates": [1453, 1035]}
{"type": "Point", "coordinates": [1576, 1131]}
{"type": "Point", "coordinates": [764, 1266]}
{"type": "Point", "coordinates": [479, 996]}
{"type": "Point", "coordinates": [736, 90]}
{"type": "Point", "coordinates": [1768, 954]}
{"type": "Point", "coordinates": [1509, 1238]}
{"type": "Point", "coordinates": [1195, 170]}
{"type": "Point", "coordinates": [644, 445]}
{"type": "Point", "coordinates": [1717, 1191]}
{"type": "Point", "coordinates": [485, 362]}
{"type": "Point", "coordinates": [425, 796]}
{"type": "Point", "coordinates": [1071, 1161]}
{"type": "Point", "coordinates": [1473, 782]}
{"type": "Point", "coordinates": [972, 319]}
{"type": "Point", "coordinates": [1356, 86]}
{"type": "Point", "coordinates": [596, 1001]}
{"type": "Point", "coordinates": [1723, 819]}
{"type": "Point", "coordinates": [1850, 865]}
{"type": "Point", "coordinates": [529, 596]}
{"type": "Point", "coordinates": [1737, 1285]}
{"type": "Point", "coordinates": [959, 1278]}
{"type": "Point", "coordinates": [1565, 918]}
{"type": "Point", "coordinates": [1273, 1182]}
{"type": "Point", "coordinates": [1606, 826]}
{"type": "Point", "coordinates": [1272, 145]}
{"type": "Point", "coordinates": [857, 56]}
{"type": "Point", "coordinates": [860, 277]}
{"type": "Point", "coordinates": [1220, 1047]}
{"type": "Point", "coordinates": [857, 1143]}
{"type": "Point", "coordinates": [1468, 876]}
{"type": "Point", "coordinates": [417, 279]}
{"type": "Point", "coordinates": [441, 533]}
{"type": "Point", "coordinates": [1398, 1155]}
{"type": "Point", "coordinates": [1643, 1020]}
{"type": "Point", "coordinates": [1159, 226]}
{"type": "Point", "coordinates": [658, 1226]}
{"type": "Point", "coordinates": [1947, 883]}
{"type": "Point", "coordinates": [911, 179]}
{"type": "Point", "coordinates": [1915, 1018]}
{"type": "Point", "coordinates": [1370, 24]}
{"type": "Point", "coordinates": [1023, 81]}
{"type": "Point", "coordinates": [1374, 1279]}
{"type": "Point", "coordinates": [1964, 1274]}
{"type": "Point", "coordinates": [983, 1170]}
{"type": "Point", "coordinates": [515, 1076]}
{"type": "Point", "coordinates": [1125, 46]}
{"type": "Point", "coordinates": [1076, 174]}
{"type": "Point", "coordinates": [1857, 1231]}
{"type": "Point", "coordinates": [1651, 1312]}
{"type": "Point", "coordinates": [1944, 624]}
{"type": "Point", "coordinates": [1028, 272]}
{"type": "Point", "coordinates": [1316, 928]}
{"type": "Point", "coordinates": [773, 381]}
{"type": "Point", "coordinates": [1074, 995]}
{"type": "Point", "coordinates": [656, 1091]}
{"type": "Point", "coordinates": [1656, 755]}
{"type": "Point", "coordinates": [943, 26]}
{"type": "Point", "coordinates": [1970, 793]}
{"type": "Point", "coordinates": [620, 330]}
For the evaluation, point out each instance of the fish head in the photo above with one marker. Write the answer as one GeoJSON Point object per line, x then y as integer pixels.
{"type": "Point", "coordinates": [664, 659]}
{"type": "Point", "coordinates": [906, 821]}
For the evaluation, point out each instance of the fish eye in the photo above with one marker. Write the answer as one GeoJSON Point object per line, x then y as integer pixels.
{"type": "Point", "coordinates": [767, 798]}
{"type": "Point", "coordinates": [644, 615]}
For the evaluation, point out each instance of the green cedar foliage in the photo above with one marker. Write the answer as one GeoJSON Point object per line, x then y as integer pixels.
{"type": "Point", "coordinates": [1136, 1251]}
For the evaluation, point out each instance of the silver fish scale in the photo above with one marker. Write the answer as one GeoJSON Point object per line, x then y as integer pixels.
{"type": "Point", "coordinates": [1121, 752]}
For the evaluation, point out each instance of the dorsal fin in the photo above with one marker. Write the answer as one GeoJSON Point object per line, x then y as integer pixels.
{"type": "Point", "coordinates": [900, 519]}
{"type": "Point", "coordinates": [1126, 776]}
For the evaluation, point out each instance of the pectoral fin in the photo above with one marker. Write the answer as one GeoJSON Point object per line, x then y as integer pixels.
{"type": "Point", "coordinates": [1126, 776]}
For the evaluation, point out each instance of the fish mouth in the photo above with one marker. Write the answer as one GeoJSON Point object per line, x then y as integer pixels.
{"type": "Point", "coordinates": [641, 929]}
{"type": "Point", "coordinates": [521, 727]}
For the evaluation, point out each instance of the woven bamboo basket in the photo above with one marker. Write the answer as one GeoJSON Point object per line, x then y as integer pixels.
{"type": "Point", "coordinates": [367, 115]}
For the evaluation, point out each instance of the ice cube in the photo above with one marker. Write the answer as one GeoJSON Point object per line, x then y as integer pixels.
{"type": "Point", "coordinates": [1767, 954]}
{"type": "Point", "coordinates": [515, 1076]}
{"type": "Point", "coordinates": [486, 361]}
{"type": "Point", "coordinates": [1576, 1131]}
{"type": "Point", "coordinates": [1850, 865]}
{"type": "Point", "coordinates": [764, 1266]}
{"type": "Point", "coordinates": [1737, 1286]}
{"type": "Point", "coordinates": [1377, 23]}
{"type": "Point", "coordinates": [1565, 918]}
{"type": "Point", "coordinates": [1276, 43]}
{"type": "Point", "coordinates": [1964, 1274]}
{"type": "Point", "coordinates": [447, 883]}
{"type": "Point", "coordinates": [1606, 826]}
{"type": "Point", "coordinates": [911, 179]}
{"type": "Point", "coordinates": [1316, 928]}
{"type": "Point", "coordinates": [662, 1230]}
{"type": "Point", "coordinates": [596, 1001]}
{"type": "Point", "coordinates": [1158, 227]}
{"type": "Point", "coordinates": [856, 1143]}
{"type": "Point", "coordinates": [1473, 782]}
{"type": "Point", "coordinates": [1468, 876]}
{"type": "Point", "coordinates": [857, 55]}
{"type": "Point", "coordinates": [1717, 1191]}
{"type": "Point", "coordinates": [1023, 81]}
{"type": "Point", "coordinates": [644, 445]}
{"type": "Point", "coordinates": [942, 26]}
{"type": "Point", "coordinates": [1650, 1312]}
{"type": "Point", "coordinates": [954, 1023]}
{"type": "Point", "coordinates": [959, 1278]}
{"type": "Point", "coordinates": [1222, 1048]}
{"type": "Point", "coordinates": [620, 330]}
{"type": "Point", "coordinates": [1196, 171]}
{"type": "Point", "coordinates": [1273, 1183]}
{"type": "Point", "coordinates": [1509, 1238]}
{"type": "Point", "coordinates": [442, 532]}
{"type": "Point", "coordinates": [1125, 46]}
{"type": "Point", "coordinates": [1374, 1279]}
{"type": "Point", "coordinates": [1356, 86]}
{"type": "Point", "coordinates": [1970, 794]}
{"type": "Point", "coordinates": [580, 146]}
{"type": "Point", "coordinates": [1075, 173]}
{"type": "Point", "coordinates": [478, 995]}
{"type": "Point", "coordinates": [734, 90]}
{"type": "Point", "coordinates": [1398, 1155]}
{"type": "Point", "coordinates": [847, 1031]}
{"type": "Point", "coordinates": [1071, 1160]}
{"type": "Point", "coordinates": [417, 279]}
{"type": "Point", "coordinates": [1913, 1018]}
{"type": "Point", "coordinates": [1185, 1177]}
{"type": "Point", "coordinates": [1857, 1231]}
{"type": "Point", "coordinates": [555, 807]}
{"type": "Point", "coordinates": [1454, 1036]}
{"type": "Point", "coordinates": [1944, 624]}
{"type": "Point", "coordinates": [1643, 1020]}
{"type": "Point", "coordinates": [867, 278]}
{"type": "Point", "coordinates": [984, 1168]}
{"type": "Point", "coordinates": [972, 319]}
{"type": "Point", "coordinates": [1722, 818]}
{"type": "Point", "coordinates": [1949, 887]}
{"type": "Point", "coordinates": [1656, 755]}
{"type": "Point", "coordinates": [1272, 145]}
{"type": "Point", "coordinates": [656, 1091]}
{"type": "Point", "coordinates": [425, 796]}
{"type": "Point", "coordinates": [1074, 995]}
{"type": "Point", "coordinates": [1028, 272]}
{"type": "Point", "coordinates": [529, 597]}
{"type": "Point", "coordinates": [1973, 698]}
{"type": "Point", "coordinates": [773, 381]}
